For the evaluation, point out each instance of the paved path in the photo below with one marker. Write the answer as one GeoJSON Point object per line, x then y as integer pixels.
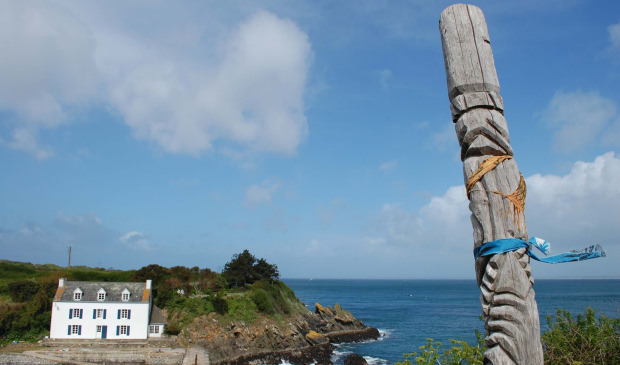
{"type": "Point", "coordinates": [195, 355]}
{"type": "Point", "coordinates": [54, 359]}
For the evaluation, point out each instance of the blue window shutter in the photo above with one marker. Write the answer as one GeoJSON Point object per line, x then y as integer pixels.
{"type": "Point", "coordinates": [129, 314]}
{"type": "Point", "coordinates": [128, 330]}
{"type": "Point", "coordinates": [79, 330]}
{"type": "Point", "coordinates": [81, 312]}
{"type": "Point", "coordinates": [119, 314]}
{"type": "Point", "coordinates": [69, 330]}
{"type": "Point", "coordinates": [118, 329]}
{"type": "Point", "coordinates": [70, 313]}
{"type": "Point", "coordinates": [94, 313]}
{"type": "Point", "coordinates": [104, 312]}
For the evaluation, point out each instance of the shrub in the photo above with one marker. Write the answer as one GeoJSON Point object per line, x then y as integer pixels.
{"type": "Point", "coordinates": [582, 340]}
{"type": "Point", "coordinates": [219, 303]}
{"type": "Point", "coordinates": [461, 353]}
{"type": "Point", "coordinates": [241, 307]}
{"type": "Point", "coordinates": [23, 290]}
{"type": "Point", "coordinates": [262, 301]}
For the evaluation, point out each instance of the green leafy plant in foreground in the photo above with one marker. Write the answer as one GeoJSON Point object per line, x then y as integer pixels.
{"type": "Point", "coordinates": [460, 353]}
{"type": "Point", "coordinates": [587, 339]}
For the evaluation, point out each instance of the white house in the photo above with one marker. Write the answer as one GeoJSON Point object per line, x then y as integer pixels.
{"type": "Point", "coordinates": [86, 310]}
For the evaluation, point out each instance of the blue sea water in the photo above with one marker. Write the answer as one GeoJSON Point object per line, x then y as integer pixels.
{"type": "Point", "coordinates": [407, 312]}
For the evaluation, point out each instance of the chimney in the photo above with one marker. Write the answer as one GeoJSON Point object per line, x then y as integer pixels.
{"type": "Point", "coordinates": [61, 282]}
{"type": "Point", "coordinates": [148, 284]}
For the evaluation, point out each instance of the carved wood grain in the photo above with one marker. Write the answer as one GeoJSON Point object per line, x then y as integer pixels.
{"type": "Point", "coordinates": [506, 282]}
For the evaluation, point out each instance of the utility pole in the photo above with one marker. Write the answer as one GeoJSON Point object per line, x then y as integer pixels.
{"type": "Point", "coordinates": [69, 265]}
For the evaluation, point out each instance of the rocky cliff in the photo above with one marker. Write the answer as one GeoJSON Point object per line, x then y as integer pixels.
{"type": "Point", "coordinates": [300, 337]}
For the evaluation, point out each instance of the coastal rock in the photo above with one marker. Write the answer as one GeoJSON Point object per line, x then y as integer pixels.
{"type": "Point", "coordinates": [301, 337]}
{"type": "Point", "coordinates": [316, 338]}
{"type": "Point", "coordinates": [355, 359]}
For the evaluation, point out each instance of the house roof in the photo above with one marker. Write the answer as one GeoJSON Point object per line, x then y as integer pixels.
{"type": "Point", "coordinates": [157, 317]}
{"type": "Point", "coordinates": [114, 291]}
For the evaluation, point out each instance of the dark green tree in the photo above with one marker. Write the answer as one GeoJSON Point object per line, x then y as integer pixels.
{"type": "Point", "coordinates": [239, 269]}
{"type": "Point", "coordinates": [244, 269]}
{"type": "Point", "coordinates": [265, 270]}
{"type": "Point", "coordinates": [158, 274]}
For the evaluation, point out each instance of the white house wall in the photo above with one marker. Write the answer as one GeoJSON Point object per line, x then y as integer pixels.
{"type": "Point", "coordinates": [139, 321]}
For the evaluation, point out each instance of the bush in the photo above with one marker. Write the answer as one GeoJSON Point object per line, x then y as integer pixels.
{"type": "Point", "coordinates": [584, 340]}
{"type": "Point", "coordinates": [278, 294]}
{"type": "Point", "coordinates": [461, 353]}
{"type": "Point", "coordinates": [262, 301]}
{"type": "Point", "coordinates": [219, 303]}
{"type": "Point", "coordinates": [587, 339]}
{"type": "Point", "coordinates": [241, 307]}
{"type": "Point", "coordinates": [23, 290]}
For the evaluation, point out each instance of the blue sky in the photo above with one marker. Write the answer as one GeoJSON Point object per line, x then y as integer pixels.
{"type": "Point", "coordinates": [316, 134]}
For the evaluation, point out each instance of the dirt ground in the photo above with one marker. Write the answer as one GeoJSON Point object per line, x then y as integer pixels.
{"type": "Point", "coordinates": [20, 347]}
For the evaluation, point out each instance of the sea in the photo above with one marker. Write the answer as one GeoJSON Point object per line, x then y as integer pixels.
{"type": "Point", "coordinates": [407, 312]}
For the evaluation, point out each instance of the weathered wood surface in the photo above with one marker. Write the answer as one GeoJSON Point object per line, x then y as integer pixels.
{"type": "Point", "coordinates": [505, 280]}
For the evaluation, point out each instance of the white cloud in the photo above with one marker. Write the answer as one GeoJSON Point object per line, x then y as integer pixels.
{"type": "Point", "coordinates": [47, 66]}
{"type": "Point", "coordinates": [572, 211]}
{"type": "Point", "coordinates": [442, 222]}
{"type": "Point", "coordinates": [578, 118]}
{"type": "Point", "coordinates": [137, 240]}
{"type": "Point", "coordinates": [258, 194]}
{"type": "Point", "coordinates": [190, 85]}
{"type": "Point", "coordinates": [388, 166]}
{"type": "Point", "coordinates": [250, 93]}
{"type": "Point", "coordinates": [585, 202]}
{"type": "Point", "coordinates": [25, 139]}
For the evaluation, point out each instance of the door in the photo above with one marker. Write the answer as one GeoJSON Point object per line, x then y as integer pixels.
{"type": "Point", "coordinates": [104, 331]}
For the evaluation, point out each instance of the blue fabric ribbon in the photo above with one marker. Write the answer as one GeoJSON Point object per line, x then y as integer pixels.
{"type": "Point", "coordinates": [513, 244]}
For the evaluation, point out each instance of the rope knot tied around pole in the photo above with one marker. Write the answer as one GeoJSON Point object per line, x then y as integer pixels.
{"type": "Point", "coordinates": [512, 244]}
{"type": "Point", "coordinates": [516, 198]}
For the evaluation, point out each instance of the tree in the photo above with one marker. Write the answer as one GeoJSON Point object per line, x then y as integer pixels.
{"type": "Point", "coordinates": [244, 269]}
{"type": "Point", "coordinates": [265, 270]}
{"type": "Point", "coordinates": [239, 269]}
{"type": "Point", "coordinates": [158, 274]}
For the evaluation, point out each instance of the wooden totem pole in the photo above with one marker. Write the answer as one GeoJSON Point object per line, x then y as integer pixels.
{"type": "Point", "coordinates": [495, 188]}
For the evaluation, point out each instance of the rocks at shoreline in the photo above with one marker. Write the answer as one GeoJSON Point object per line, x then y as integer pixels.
{"type": "Point", "coordinates": [302, 337]}
{"type": "Point", "coordinates": [355, 359]}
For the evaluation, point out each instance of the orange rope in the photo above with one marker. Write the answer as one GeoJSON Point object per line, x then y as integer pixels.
{"type": "Point", "coordinates": [517, 198]}
{"type": "Point", "coordinates": [486, 166]}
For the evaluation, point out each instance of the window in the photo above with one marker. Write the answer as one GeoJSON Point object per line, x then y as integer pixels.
{"type": "Point", "coordinates": [101, 295]}
{"type": "Point", "coordinates": [98, 329]}
{"type": "Point", "coordinates": [125, 313]}
{"type": "Point", "coordinates": [126, 295]}
{"type": "Point", "coordinates": [77, 295]}
{"type": "Point", "coordinates": [153, 329]}
{"type": "Point", "coordinates": [75, 329]}
{"type": "Point", "coordinates": [99, 313]}
{"type": "Point", "coordinates": [75, 313]}
{"type": "Point", "coordinates": [123, 330]}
